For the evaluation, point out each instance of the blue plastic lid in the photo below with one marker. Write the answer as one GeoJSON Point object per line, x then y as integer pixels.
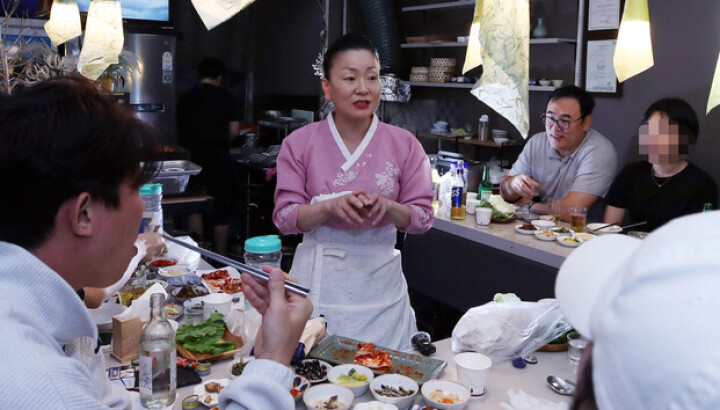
{"type": "Point", "coordinates": [151, 189]}
{"type": "Point", "coordinates": [263, 244]}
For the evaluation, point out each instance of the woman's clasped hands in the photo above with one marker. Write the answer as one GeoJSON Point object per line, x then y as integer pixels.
{"type": "Point", "coordinates": [358, 206]}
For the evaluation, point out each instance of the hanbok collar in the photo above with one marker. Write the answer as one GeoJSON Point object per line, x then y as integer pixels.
{"type": "Point", "coordinates": [350, 159]}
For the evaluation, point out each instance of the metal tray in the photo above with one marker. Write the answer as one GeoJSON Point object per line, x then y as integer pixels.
{"type": "Point", "coordinates": [341, 350]}
{"type": "Point", "coordinates": [178, 168]}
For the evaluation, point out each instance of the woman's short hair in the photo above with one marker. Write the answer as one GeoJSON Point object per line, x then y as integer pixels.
{"type": "Point", "coordinates": [58, 139]}
{"type": "Point", "coordinates": [350, 41]}
{"type": "Point", "coordinates": [679, 112]}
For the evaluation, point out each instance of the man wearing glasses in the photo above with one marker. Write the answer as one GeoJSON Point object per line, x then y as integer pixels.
{"type": "Point", "coordinates": [569, 161]}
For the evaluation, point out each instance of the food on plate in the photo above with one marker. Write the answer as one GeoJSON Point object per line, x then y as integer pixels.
{"type": "Point", "coordinates": [353, 378]}
{"type": "Point", "coordinates": [172, 309]}
{"type": "Point", "coordinates": [528, 227]}
{"type": "Point", "coordinates": [237, 368]}
{"type": "Point", "coordinates": [221, 281]}
{"type": "Point", "coordinates": [313, 370]}
{"type": "Point", "coordinates": [561, 230]}
{"type": "Point", "coordinates": [189, 291]}
{"type": "Point", "coordinates": [161, 263]}
{"type": "Point", "coordinates": [214, 387]}
{"type": "Point", "coordinates": [367, 356]}
{"type": "Point", "coordinates": [440, 397]}
{"type": "Point", "coordinates": [500, 208]}
{"type": "Point", "coordinates": [585, 236]}
{"type": "Point", "coordinates": [391, 391]}
{"type": "Point", "coordinates": [546, 233]}
{"type": "Point", "coordinates": [204, 337]}
{"type": "Point", "coordinates": [330, 404]}
{"type": "Point", "coordinates": [570, 239]}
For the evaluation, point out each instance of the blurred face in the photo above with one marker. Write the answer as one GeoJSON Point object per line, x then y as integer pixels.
{"type": "Point", "coordinates": [354, 85]}
{"type": "Point", "coordinates": [117, 230]}
{"type": "Point", "coordinates": [660, 139]}
{"type": "Point", "coordinates": [564, 126]}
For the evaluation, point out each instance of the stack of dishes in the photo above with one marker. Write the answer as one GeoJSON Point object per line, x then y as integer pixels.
{"type": "Point", "coordinates": [500, 136]}
{"type": "Point", "coordinates": [441, 69]}
{"type": "Point", "coordinates": [419, 74]}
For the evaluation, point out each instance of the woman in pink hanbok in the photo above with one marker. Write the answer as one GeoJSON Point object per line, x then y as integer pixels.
{"type": "Point", "coordinates": [348, 183]}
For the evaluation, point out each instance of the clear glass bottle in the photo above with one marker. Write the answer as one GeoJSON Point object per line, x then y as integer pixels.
{"type": "Point", "coordinates": [158, 366]}
{"type": "Point", "coordinates": [708, 207]}
{"type": "Point", "coordinates": [486, 185]}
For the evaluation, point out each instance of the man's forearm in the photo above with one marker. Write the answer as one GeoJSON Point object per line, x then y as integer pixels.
{"type": "Point", "coordinates": [506, 190]}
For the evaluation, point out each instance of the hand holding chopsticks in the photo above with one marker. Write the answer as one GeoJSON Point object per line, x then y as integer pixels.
{"type": "Point", "coordinates": [257, 273]}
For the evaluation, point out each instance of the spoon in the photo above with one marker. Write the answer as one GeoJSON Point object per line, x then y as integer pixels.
{"type": "Point", "coordinates": [561, 386]}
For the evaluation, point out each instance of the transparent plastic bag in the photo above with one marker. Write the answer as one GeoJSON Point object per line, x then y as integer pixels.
{"type": "Point", "coordinates": [508, 330]}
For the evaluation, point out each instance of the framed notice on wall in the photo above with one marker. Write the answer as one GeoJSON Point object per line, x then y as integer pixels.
{"type": "Point", "coordinates": [601, 25]}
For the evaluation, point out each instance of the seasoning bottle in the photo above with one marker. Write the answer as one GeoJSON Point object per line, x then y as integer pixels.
{"type": "Point", "coordinates": [483, 128]}
{"type": "Point", "coordinates": [158, 367]}
{"type": "Point", "coordinates": [486, 186]}
{"type": "Point", "coordinates": [152, 219]}
{"type": "Point", "coordinates": [457, 209]}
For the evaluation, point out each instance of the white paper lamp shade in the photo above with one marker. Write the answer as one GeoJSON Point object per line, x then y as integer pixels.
{"type": "Point", "coordinates": [103, 38]}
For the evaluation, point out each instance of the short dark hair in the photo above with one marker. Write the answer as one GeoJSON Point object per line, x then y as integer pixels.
{"type": "Point", "coordinates": [678, 111]}
{"type": "Point", "coordinates": [350, 41]}
{"type": "Point", "coordinates": [586, 101]}
{"type": "Point", "coordinates": [61, 138]}
{"type": "Point", "coordinates": [211, 67]}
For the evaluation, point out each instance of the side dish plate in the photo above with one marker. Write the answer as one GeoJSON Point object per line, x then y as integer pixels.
{"type": "Point", "coordinates": [341, 350]}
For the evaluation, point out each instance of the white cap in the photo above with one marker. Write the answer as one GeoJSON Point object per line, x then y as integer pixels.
{"type": "Point", "coordinates": [484, 117]}
{"type": "Point", "coordinates": [651, 308]}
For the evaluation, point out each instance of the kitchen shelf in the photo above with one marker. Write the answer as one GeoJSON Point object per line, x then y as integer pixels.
{"type": "Point", "coordinates": [435, 6]}
{"type": "Point", "coordinates": [440, 85]}
{"type": "Point", "coordinates": [553, 40]}
{"type": "Point", "coordinates": [461, 140]}
{"type": "Point", "coordinates": [434, 45]}
{"type": "Point", "coordinates": [541, 88]}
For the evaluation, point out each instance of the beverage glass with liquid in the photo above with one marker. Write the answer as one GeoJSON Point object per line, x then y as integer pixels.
{"type": "Point", "coordinates": [578, 218]}
{"type": "Point", "coordinates": [576, 345]}
{"type": "Point", "coordinates": [556, 208]}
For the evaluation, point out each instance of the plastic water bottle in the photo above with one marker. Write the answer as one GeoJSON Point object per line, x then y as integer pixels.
{"type": "Point", "coordinates": [158, 366]}
{"type": "Point", "coordinates": [259, 251]}
{"type": "Point", "coordinates": [152, 220]}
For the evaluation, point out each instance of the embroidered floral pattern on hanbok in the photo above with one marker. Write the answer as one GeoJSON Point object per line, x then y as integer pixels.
{"type": "Point", "coordinates": [386, 180]}
{"type": "Point", "coordinates": [283, 214]}
{"type": "Point", "coordinates": [344, 178]}
{"type": "Point", "coordinates": [423, 216]}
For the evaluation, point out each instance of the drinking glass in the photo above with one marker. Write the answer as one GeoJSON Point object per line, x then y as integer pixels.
{"type": "Point", "coordinates": [578, 218]}
{"type": "Point", "coordinates": [576, 345]}
{"type": "Point", "coordinates": [556, 209]}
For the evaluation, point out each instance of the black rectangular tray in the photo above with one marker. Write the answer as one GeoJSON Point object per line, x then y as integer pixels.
{"type": "Point", "coordinates": [341, 350]}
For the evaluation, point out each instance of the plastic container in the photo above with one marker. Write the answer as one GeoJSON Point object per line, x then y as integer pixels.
{"type": "Point", "coordinates": [483, 128]}
{"type": "Point", "coordinates": [152, 219]}
{"type": "Point", "coordinates": [263, 250]}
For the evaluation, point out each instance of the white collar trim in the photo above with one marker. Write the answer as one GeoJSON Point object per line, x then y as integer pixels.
{"type": "Point", "coordinates": [350, 159]}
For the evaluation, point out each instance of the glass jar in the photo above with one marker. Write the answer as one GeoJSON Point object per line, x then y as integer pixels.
{"type": "Point", "coordinates": [263, 250]}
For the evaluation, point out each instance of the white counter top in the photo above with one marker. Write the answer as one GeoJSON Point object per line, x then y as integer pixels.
{"type": "Point", "coordinates": [505, 238]}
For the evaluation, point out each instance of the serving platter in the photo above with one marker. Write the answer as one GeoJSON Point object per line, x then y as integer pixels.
{"type": "Point", "coordinates": [341, 350]}
{"type": "Point", "coordinates": [207, 357]}
{"type": "Point", "coordinates": [504, 220]}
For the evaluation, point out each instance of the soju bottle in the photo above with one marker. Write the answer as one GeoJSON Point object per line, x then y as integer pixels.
{"type": "Point", "coordinates": [158, 366]}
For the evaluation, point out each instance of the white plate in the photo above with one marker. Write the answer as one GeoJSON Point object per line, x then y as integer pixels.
{"type": "Point", "coordinates": [542, 224]}
{"type": "Point", "coordinates": [546, 235]}
{"type": "Point", "coordinates": [203, 394]}
{"type": "Point", "coordinates": [524, 231]}
{"type": "Point", "coordinates": [563, 240]}
{"type": "Point", "coordinates": [245, 359]}
{"type": "Point", "coordinates": [231, 271]}
{"type": "Point", "coordinates": [323, 363]}
{"type": "Point", "coordinates": [603, 231]}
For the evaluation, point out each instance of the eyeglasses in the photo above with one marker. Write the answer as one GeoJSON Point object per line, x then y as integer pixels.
{"type": "Point", "coordinates": [561, 123]}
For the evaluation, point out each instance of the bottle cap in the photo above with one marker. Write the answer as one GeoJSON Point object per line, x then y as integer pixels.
{"type": "Point", "coordinates": [263, 244]}
{"type": "Point", "coordinates": [151, 189]}
{"type": "Point", "coordinates": [484, 117]}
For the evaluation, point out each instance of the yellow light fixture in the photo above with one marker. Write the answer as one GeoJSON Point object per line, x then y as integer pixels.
{"type": "Point", "coordinates": [64, 23]}
{"type": "Point", "coordinates": [103, 38]}
{"type": "Point", "coordinates": [633, 52]}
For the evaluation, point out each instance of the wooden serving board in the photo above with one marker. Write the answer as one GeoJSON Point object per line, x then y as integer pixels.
{"type": "Point", "coordinates": [504, 220]}
{"type": "Point", "coordinates": [554, 347]}
{"type": "Point", "coordinates": [207, 357]}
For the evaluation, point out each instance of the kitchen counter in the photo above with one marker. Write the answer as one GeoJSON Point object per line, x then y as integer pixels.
{"type": "Point", "coordinates": [463, 265]}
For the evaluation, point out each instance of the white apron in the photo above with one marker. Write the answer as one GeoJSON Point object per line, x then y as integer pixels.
{"type": "Point", "coordinates": [356, 283]}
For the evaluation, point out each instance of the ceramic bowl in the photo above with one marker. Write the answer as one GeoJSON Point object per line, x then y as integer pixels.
{"type": "Point", "coordinates": [541, 224]}
{"type": "Point", "coordinates": [610, 229]}
{"type": "Point", "coordinates": [446, 388]}
{"type": "Point", "coordinates": [323, 392]}
{"type": "Point", "coordinates": [300, 386]}
{"type": "Point", "coordinates": [545, 83]}
{"type": "Point", "coordinates": [557, 83]}
{"type": "Point", "coordinates": [344, 369]}
{"type": "Point", "coordinates": [396, 381]}
{"type": "Point", "coordinates": [244, 359]}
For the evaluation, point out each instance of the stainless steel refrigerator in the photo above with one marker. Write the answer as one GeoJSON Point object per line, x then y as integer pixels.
{"type": "Point", "coordinates": [152, 90]}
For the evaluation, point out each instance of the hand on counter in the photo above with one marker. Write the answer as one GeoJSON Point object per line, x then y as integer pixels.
{"type": "Point", "coordinates": [284, 315]}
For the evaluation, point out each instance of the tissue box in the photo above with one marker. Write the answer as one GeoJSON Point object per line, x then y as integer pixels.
{"type": "Point", "coordinates": [126, 338]}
